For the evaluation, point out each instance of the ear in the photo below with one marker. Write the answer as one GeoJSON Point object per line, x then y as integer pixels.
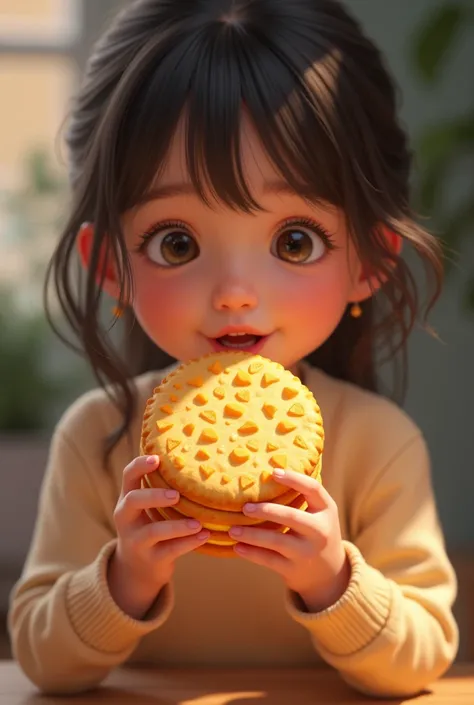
{"type": "Point", "coordinates": [368, 282]}
{"type": "Point", "coordinates": [85, 241]}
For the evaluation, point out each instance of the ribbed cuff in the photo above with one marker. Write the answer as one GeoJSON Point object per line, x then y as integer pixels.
{"type": "Point", "coordinates": [98, 620]}
{"type": "Point", "coordinates": [356, 618]}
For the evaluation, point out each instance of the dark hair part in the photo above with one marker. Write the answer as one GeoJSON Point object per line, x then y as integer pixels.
{"type": "Point", "coordinates": [324, 106]}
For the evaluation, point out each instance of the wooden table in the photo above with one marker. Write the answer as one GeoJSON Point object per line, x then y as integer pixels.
{"type": "Point", "coordinates": [231, 687]}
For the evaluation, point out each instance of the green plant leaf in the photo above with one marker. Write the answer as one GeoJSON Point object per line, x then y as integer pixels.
{"type": "Point", "coordinates": [438, 149]}
{"type": "Point", "coordinates": [443, 139]}
{"type": "Point", "coordinates": [437, 37]}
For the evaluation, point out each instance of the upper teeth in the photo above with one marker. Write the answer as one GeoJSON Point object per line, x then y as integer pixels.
{"type": "Point", "coordinates": [236, 334]}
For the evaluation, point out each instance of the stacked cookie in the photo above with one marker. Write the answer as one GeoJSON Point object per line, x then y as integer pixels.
{"type": "Point", "coordinates": [221, 424]}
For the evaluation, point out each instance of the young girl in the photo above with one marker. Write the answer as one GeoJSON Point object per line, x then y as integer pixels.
{"type": "Point", "coordinates": [240, 180]}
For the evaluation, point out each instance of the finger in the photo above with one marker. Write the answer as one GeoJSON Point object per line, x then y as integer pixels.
{"type": "Point", "coordinates": [302, 523]}
{"type": "Point", "coordinates": [130, 508]}
{"type": "Point", "coordinates": [285, 545]}
{"type": "Point", "coordinates": [134, 471]}
{"type": "Point", "coordinates": [316, 495]}
{"type": "Point", "coordinates": [174, 548]}
{"type": "Point", "coordinates": [159, 531]}
{"type": "Point", "coordinates": [261, 556]}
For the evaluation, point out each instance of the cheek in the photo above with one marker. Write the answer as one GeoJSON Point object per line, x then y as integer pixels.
{"type": "Point", "coordinates": [318, 293]}
{"type": "Point", "coordinates": [161, 300]}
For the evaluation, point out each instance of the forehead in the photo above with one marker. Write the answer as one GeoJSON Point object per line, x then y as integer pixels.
{"type": "Point", "coordinates": [257, 167]}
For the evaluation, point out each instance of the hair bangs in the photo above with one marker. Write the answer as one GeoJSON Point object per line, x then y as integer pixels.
{"type": "Point", "coordinates": [209, 81]}
{"type": "Point", "coordinates": [149, 118]}
{"type": "Point", "coordinates": [240, 74]}
{"type": "Point", "coordinates": [293, 107]}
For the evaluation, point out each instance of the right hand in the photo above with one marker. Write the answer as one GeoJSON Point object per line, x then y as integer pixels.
{"type": "Point", "coordinates": [143, 561]}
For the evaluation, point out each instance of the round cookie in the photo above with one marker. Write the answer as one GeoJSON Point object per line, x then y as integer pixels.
{"type": "Point", "coordinates": [222, 423]}
{"type": "Point", "coordinates": [219, 540]}
{"type": "Point", "coordinates": [222, 531]}
{"type": "Point", "coordinates": [216, 516]}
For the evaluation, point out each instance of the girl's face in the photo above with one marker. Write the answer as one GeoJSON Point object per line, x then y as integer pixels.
{"type": "Point", "coordinates": [281, 277]}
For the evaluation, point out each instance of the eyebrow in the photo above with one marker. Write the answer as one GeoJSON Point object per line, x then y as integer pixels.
{"type": "Point", "coordinates": [187, 189]}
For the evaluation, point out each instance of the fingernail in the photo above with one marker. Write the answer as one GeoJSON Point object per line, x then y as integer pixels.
{"type": "Point", "coordinates": [250, 507]}
{"type": "Point", "coordinates": [193, 524]}
{"type": "Point", "coordinates": [152, 460]}
{"type": "Point", "coordinates": [236, 531]}
{"type": "Point", "coordinates": [279, 473]}
{"type": "Point", "coordinates": [171, 494]}
{"type": "Point", "coordinates": [203, 535]}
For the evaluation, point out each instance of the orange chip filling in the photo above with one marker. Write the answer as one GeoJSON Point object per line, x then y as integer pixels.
{"type": "Point", "coordinates": [239, 455]}
{"type": "Point", "coordinates": [233, 410]}
{"type": "Point", "coordinates": [269, 410]}
{"type": "Point", "coordinates": [163, 426]}
{"type": "Point", "coordinates": [206, 471]}
{"type": "Point", "coordinates": [208, 415]}
{"type": "Point", "coordinates": [208, 435]}
{"type": "Point", "coordinates": [242, 379]}
{"type": "Point", "coordinates": [296, 410]}
{"type": "Point", "coordinates": [289, 392]}
{"type": "Point", "coordinates": [246, 482]}
{"type": "Point", "coordinates": [248, 427]}
{"type": "Point", "coordinates": [278, 461]}
{"type": "Point", "coordinates": [195, 382]}
{"type": "Point", "coordinates": [269, 379]}
{"type": "Point", "coordinates": [285, 426]}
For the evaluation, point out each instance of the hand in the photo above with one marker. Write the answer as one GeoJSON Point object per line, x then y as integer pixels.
{"type": "Point", "coordinates": [143, 561]}
{"type": "Point", "coordinates": [311, 557]}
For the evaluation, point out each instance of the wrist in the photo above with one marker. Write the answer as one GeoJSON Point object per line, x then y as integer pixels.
{"type": "Point", "coordinates": [133, 596]}
{"type": "Point", "coordinates": [321, 597]}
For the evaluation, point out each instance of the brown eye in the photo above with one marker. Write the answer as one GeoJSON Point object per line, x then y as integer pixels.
{"type": "Point", "coordinates": [298, 246]}
{"type": "Point", "coordinates": [171, 249]}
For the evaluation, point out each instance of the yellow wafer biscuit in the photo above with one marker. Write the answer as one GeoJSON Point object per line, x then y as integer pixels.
{"type": "Point", "coordinates": [216, 516]}
{"type": "Point", "coordinates": [221, 537]}
{"type": "Point", "coordinates": [221, 425]}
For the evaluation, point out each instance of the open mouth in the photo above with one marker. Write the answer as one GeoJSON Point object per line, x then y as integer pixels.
{"type": "Point", "coordinates": [239, 341]}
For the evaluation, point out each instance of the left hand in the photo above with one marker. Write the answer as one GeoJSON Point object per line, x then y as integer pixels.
{"type": "Point", "coordinates": [311, 557]}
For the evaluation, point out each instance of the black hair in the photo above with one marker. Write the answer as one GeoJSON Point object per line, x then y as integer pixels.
{"type": "Point", "coordinates": [325, 108]}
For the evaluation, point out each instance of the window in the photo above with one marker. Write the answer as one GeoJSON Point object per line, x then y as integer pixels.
{"type": "Point", "coordinates": [38, 67]}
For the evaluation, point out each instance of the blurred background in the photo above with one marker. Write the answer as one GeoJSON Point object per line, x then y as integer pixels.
{"type": "Point", "coordinates": [429, 45]}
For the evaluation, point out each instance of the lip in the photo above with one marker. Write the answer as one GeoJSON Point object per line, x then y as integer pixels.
{"type": "Point", "coordinates": [239, 329]}
{"type": "Point", "coordinates": [254, 349]}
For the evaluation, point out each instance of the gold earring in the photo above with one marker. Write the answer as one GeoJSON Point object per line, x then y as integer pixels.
{"type": "Point", "coordinates": [118, 310]}
{"type": "Point", "coordinates": [356, 311]}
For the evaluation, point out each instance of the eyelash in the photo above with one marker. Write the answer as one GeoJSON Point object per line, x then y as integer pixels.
{"type": "Point", "coordinates": [165, 225]}
{"type": "Point", "coordinates": [327, 238]}
{"type": "Point", "coordinates": [306, 222]}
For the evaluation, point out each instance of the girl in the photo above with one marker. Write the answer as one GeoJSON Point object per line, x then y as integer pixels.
{"type": "Point", "coordinates": [240, 180]}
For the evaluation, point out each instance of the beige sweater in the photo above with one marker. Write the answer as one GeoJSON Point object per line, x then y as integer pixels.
{"type": "Point", "coordinates": [391, 633]}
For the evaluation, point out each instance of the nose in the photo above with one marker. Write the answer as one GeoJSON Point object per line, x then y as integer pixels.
{"type": "Point", "coordinates": [234, 296]}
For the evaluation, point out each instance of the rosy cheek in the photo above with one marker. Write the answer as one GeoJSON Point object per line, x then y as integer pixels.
{"type": "Point", "coordinates": [161, 296]}
{"type": "Point", "coordinates": [318, 294]}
